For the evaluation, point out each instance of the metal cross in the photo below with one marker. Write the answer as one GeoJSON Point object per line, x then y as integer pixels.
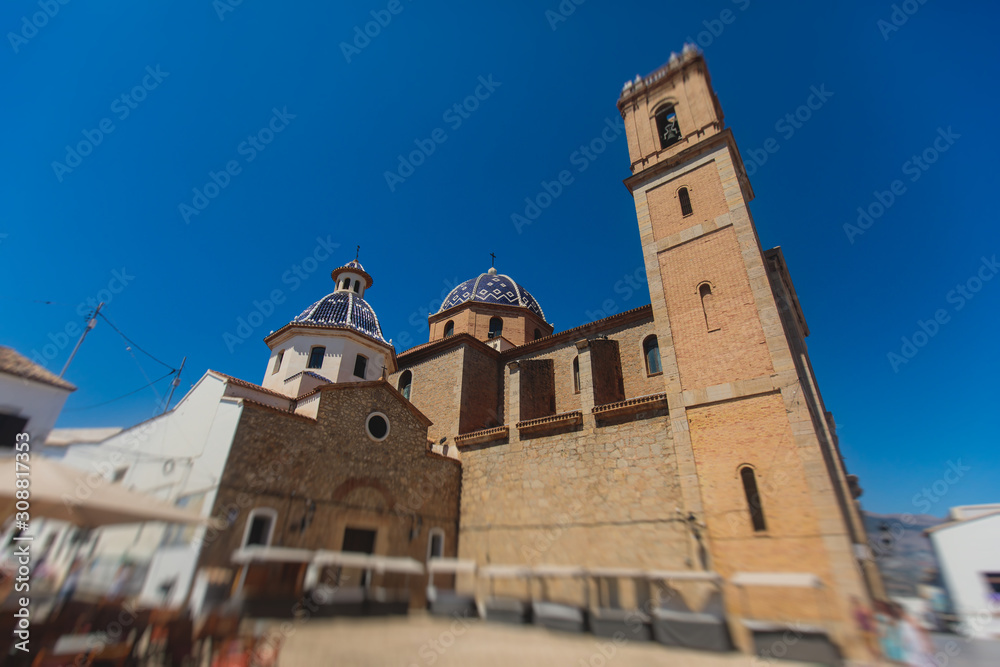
{"type": "Point", "coordinates": [493, 259]}
{"type": "Point", "coordinates": [357, 254]}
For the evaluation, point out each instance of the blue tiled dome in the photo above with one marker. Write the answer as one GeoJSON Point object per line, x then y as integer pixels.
{"type": "Point", "coordinates": [492, 287]}
{"type": "Point", "coordinates": [344, 309]}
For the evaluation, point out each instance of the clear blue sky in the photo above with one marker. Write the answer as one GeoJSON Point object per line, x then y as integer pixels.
{"type": "Point", "coordinates": [215, 78]}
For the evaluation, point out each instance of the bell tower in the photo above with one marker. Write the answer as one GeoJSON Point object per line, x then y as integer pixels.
{"type": "Point", "coordinates": [756, 450]}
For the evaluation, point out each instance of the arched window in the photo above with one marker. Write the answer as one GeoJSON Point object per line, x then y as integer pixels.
{"type": "Point", "coordinates": [449, 329]}
{"type": "Point", "coordinates": [666, 126]}
{"type": "Point", "coordinates": [360, 366]}
{"type": "Point", "coordinates": [405, 380]}
{"type": "Point", "coordinates": [651, 350]}
{"type": "Point", "coordinates": [538, 334]}
{"type": "Point", "coordinates": [357, 286]}
{"type": "Point", "coordinates": [576, 375]}
{"type": "Point", "coordinates": [260, 527]}
{"type": "Point", "coordinates": [707, 306]}
{"type": "Point", "coordinates": [496, 327]}
{"type": "Point", "coordinates": [316, 357]}
{"type": "Point", "coordinates": [685, 198]}
{"type": "Point", "coordinates": [435, 543]}
{"type": "Point", "coordinates": [277, 362]}
{"type": "Point", "coordinates": [753, 498]}
{"type": "Point", "coordinates": [347, 283]}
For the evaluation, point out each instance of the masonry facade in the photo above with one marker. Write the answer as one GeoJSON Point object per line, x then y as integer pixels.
{"type": "Point", "coordinates": [687, 434]}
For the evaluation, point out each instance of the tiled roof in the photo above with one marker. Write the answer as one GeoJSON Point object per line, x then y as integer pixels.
{"type": "Point", "coordinates": [344, 309]}
{"type": "Point", "coordinates": [492, 287]}
{"type": "Point", "coordinates": [14, 363]}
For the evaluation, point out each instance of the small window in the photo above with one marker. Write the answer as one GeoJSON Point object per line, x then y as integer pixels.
{"type": "Point", "coordinates": [435, 543]}
{"type": "Point", "coordinates": [119, 474]}
{"type": "Point", "coordinates": [708, 307]}
{"type": "Point", "coordinates": [666, 126]}
{"type": "Point", "coordinates": [260, 527]}
{"type": "Point", "coordinates": [538, 334]}
{"type": "Point", "coordinates": [405, 380]}
{"type": "Point", "coordinates": [377, 426]}
{"type": "Point", "coordinates": [316, 357]}
{"type": "Point", "coordinates": [685, 198]}
{"type": "Point", "coordinates": [449, 329]}
{"type": "Point", "coordinates": [357, 286]}
{"type": "Point", "coordinates": [360, 366]}
{"type": "Point", "coordinates": [753, 499]}
{"type": "Point", "coordinates": [651, 350]}
{"type": "Point", "coordinates": [576, 375]}
{"type": "Point", "coordinates": [496, 327]}
{"type": "Point", "coordinates": [992, 585]}
{"type": "Point", "coordinates": [347, 283]}
{"type": "Point", "coordinates": [277, 362]}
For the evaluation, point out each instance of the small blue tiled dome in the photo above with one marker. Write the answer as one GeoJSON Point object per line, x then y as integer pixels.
{"type": "Point", "coordinates": [344, 309]}
{"type": "Point", "coordinates": [492, 287]}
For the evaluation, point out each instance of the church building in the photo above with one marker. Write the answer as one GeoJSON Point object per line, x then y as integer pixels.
{"type": "Point", "coordinates": [685, 435]}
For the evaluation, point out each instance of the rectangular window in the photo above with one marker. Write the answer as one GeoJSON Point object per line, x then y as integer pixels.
{"type": "Point", "coordinates": [360, 366]}
{"type": "Point", "coordinates": [435, 546]}
{"type": "Point", "coordinates": [260, 530]}
{"type": "Point", "coordinates": [316, 357]}
{"type": "Point", "coordinates": [277, 362]}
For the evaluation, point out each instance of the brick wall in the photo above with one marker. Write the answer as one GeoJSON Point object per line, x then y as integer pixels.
{"type": "Point", "coordinates": [754, 431]}
{"type": "Point", "coordinates": [606, 366]}
{"type": "Point", "coordinates": [481, 386]}
{"type": "Point", "coordinates": [707, 201]}
{"type": "Point", "coordinates": [538, 388]}
{"type": "Point", "coordinates": [735, 351]}
{"type": "Point", "coordinates": [436, 390]}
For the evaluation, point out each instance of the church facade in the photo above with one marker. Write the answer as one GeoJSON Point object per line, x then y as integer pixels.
{"type": "Point", "coordinates": [687, 434]}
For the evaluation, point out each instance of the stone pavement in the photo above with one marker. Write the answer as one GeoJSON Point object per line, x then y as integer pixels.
{"type": "Point", "coordinates": [420, 640]}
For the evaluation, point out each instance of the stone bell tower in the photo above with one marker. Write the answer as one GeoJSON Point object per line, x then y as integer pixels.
{"type": "Point", "coordinates": [755, 446]}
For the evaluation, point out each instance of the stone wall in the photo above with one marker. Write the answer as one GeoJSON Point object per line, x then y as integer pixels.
{"type": "Point", "coordinates": [606, 496]}
{"type": "Point", "coordinates": [289, 463]}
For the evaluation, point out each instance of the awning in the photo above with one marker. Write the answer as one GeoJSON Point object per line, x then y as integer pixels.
{"type": "Point", "coordinates": [452, 565]}
{"type": "Point", "coordinates": [782, 579]}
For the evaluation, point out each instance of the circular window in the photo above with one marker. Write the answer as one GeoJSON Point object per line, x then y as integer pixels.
{"type": "Point", "coordinates": [377, 426]}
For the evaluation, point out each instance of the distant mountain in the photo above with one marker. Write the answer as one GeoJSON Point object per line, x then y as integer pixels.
{"type": "Point", "coordinates": [903, 554]}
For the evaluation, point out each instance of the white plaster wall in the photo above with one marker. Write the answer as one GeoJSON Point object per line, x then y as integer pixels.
{"type": "Point", "coordinates": [964, 552]}
{"type": "Point", "coordinates": [41, 403]}
{"type": "Point", "coordinates": [171, 457]}
{"type": "Point", "coordinates": [342, 347]}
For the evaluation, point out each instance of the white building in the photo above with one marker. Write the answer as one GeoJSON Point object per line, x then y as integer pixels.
{"type": "Point", "coordinates": [31, 398]}
{"type": "Point", "coordinates": [968, 552]}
